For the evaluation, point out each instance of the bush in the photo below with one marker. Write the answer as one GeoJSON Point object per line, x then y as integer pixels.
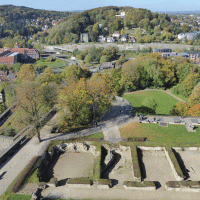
{"type": "Point", "coordinates": [10, 132]}
{"type": "Point", "coordinates": [136, 139]}
{"type": "Point", "coordinates": [24, 174]}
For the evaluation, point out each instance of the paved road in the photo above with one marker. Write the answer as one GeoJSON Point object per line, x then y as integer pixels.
{"type": "Point", "coordinates": [93, 193]}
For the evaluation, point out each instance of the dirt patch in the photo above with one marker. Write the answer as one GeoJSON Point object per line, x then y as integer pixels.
{"type": "Point", "coordinates": [156, 167]}
{"type": "Point", "coordinates": [191, 162]}
{"type": "Point", "coordinates": [72, 165]}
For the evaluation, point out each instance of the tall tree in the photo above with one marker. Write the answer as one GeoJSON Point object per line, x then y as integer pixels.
{"type": "Point", "coordinates": [31, 100]}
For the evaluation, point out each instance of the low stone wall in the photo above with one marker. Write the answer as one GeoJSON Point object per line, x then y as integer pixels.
{"type": "Point", "coordinates": [140, 188]}
{"type": "Point", "coordinates": [79, 147]}
{"type": "Point", "coordinates": [187, 148]}
{"type": "Point", "coordinates": [80, 186]}
{"type": "Point", "coordinates": [182, 189]}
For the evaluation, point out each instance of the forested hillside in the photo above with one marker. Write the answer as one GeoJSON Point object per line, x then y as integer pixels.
{"type": "Point", "coordinates": [103, 21]}
{"type": "Point", "coordinates": [20, 20]}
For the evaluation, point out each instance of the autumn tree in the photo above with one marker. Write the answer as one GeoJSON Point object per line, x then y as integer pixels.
{"type": "Point", "coordinates": [74, 96]}
{"type": "Point", "coordinates": [195, 96]}
{"type": "Point", "coordinates": [33, 103]}
{"type": "Point", "coordinates": [99, 91]}
{"type": "Point", "coordinates": [26, 73]}
{"type": "Point", "coordinates": [195, 110]}
{"type": "Point", "coordinates": [181, 109]}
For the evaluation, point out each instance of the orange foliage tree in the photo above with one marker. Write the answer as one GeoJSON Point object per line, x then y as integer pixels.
{"type": "Point", "coordinates": [195, 110]}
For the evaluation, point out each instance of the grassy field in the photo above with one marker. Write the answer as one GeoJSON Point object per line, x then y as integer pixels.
{"type": "Point", "coordinates": [173, 135]}
{"type": "Point", "coordinates": [55, 64]}
{"type": "Point", "coordinates": [165, 102]}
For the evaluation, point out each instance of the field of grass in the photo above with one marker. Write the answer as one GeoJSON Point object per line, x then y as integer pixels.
{"type": "Point", "coordinates": [173, 135]}
{"type": "Point", "coordinates": [55, 64]}
{"type": "Point", "coordinates": [165, 102]}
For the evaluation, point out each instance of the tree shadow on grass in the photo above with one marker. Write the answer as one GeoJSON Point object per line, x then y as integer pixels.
{"type": "Point", "coordinates": [143, 110]}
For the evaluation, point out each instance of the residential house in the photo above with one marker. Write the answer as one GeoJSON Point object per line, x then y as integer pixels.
{"type": "Point", "coordinates": [84, 37]}
{"type": "Point", "coordinates": [116, 34]}
{"type": "Point", "coordinates": [132, 39]}
{"type": "Point", "coordinates": [110, 39]}
{"type": "Point", "coordinates": [124, 38]}
{"type": "Point", "coordinates": [195, 56]}
{"type": "Point", "coordinates": [101, 38]}
{"type": "Point", "coordinates": [107, 65]}
{"type": "Point", "coordinates": [122, 14]}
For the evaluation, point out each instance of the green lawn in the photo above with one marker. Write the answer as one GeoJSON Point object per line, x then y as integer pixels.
{"type": "Point", "coordinates": [165, 102]}
{"type": "Point", "coordinates": [55, 64]}
{"type": "Point", "coordinates": [173, 135]}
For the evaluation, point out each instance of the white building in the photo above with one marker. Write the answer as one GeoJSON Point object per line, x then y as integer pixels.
{"type": "Point", "coordinates": [116, 34]}
{"type": "Point", "coordinates": [110, 39]}
{"type": "Point", "coordinates": [188, 35]}
{"type": "Point", "coordinates": [101, 38]}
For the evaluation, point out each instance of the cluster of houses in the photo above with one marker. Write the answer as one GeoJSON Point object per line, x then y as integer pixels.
{"type": "Point", "coordinates": [84, 37]}
{"type": "Point", "coordinates": [43, 24]}
{"type": "Point", "coordinates": [165, 52]}
{"type": "Point", "coordinates": [11, 56]}
{"type": "Point", "coordinates": [188, 35]}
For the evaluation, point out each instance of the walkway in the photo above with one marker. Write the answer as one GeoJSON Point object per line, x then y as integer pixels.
{"type": "Point", "coordinates": [93, 193]}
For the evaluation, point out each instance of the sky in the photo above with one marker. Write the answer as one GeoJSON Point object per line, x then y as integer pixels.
{"type": "Point", "coordinates": [71, 5]}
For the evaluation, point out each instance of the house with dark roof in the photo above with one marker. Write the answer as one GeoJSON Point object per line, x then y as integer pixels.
{"type": "Point", "coordinates": [124, 38]}
{"type": "Point", "coordinates": [107, 65]}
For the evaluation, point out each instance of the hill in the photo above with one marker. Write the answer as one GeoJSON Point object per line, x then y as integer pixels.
{"type": "Point", "coordinates": [105, 21]}
{"type": "Point", "coordinates": [25, 21]}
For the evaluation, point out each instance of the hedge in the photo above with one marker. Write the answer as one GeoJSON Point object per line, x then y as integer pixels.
{"type": "Point", "coordinates": [24, 174]}
{"type": "Point", "coordinates": [175, 163]}
{"type": "Point", "coordinates": [136, 166]}
{"type": "Point", "coordinates": [80, 181]}
{"type": "Point", "coordinates": [104, 182]}
{"type": "Point", "coordinates": [139, 184]}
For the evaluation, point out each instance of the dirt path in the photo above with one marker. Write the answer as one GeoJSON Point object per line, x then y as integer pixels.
{"type": "Point", "coordinates": [166, 91]}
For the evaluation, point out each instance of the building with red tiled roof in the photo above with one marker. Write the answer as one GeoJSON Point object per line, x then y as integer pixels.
{"type": "Point", "coordinates": [14, 55]}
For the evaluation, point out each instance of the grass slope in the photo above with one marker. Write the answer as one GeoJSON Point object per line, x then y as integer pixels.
{"type": "Point", "coordinates": [173, 135]}
{"type": "Point", "coordinates": [165, 102]}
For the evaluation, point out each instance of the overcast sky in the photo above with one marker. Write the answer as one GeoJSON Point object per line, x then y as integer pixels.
{"type": "Point", "coordinates": [71, 5]}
